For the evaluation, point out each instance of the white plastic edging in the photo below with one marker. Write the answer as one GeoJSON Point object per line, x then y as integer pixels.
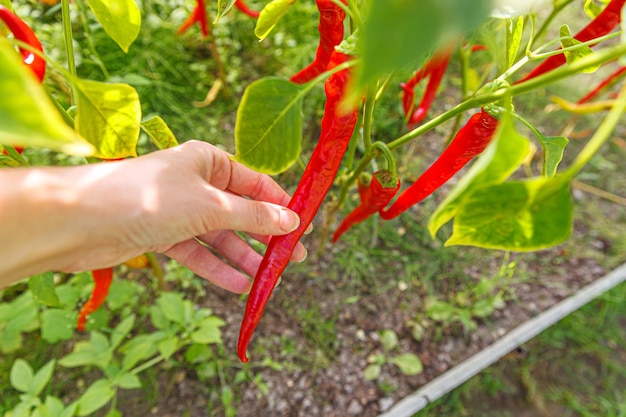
{"type": "Point", "coordinates": [516, 337]}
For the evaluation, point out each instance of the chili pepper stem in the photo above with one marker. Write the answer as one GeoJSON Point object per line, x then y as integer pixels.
{"type": "Point", "coordinates": [69, 46]}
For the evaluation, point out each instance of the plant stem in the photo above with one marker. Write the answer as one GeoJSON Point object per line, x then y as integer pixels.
{"type": "Point", "coordinates": [368, 116]}
{"type": "Point", "coordinates": [158, 271]}
{"type": "Point", "coordinates": [602, 135]}
{"type": "Point", "coordinates": [69, 47]}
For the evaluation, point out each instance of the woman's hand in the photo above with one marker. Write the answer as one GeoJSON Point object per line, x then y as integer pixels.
{"type": "Point", "coordinates": [181, 202]}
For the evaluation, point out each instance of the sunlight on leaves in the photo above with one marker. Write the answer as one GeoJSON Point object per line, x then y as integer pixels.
{"type": "Point", "coordinates": [109, 117]}
{"type": "Point", "coordinates": [29, 118]}
{"type": "Point", "coordinates": [270, 15]}
{"type": "Point", "coordinates": [517, 216]}
{"type": "Point", "coordinates": [268, 130]}
{"type": "Point", "coordinates": [120, 19]}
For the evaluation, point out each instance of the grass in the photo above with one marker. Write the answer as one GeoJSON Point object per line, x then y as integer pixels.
{"type": "Point", "coordinates": [575, 368]}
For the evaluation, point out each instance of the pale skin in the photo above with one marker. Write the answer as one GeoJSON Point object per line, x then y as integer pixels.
{"type": "Point", "coordinates": [177, 202]}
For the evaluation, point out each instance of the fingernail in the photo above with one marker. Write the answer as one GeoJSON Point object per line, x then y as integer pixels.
{"type": "Point", "coordinates": [306, 253]}
{"type": "Point", "coordinates": [280, 279]}
{"type": "Point", "coordinates": [309, 229]}
{"type": "Point", "coordinates": [289, 221]}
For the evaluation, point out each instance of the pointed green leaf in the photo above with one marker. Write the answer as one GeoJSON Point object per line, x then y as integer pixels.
{"type": "Point", "coordinates": [408, 363]}
{"type": "Point", "coordinates": [21, 375]}
{"type": "Point", "coordinates": [122, 330]}
{"type": "Point", "coordinates": [223, 6]}
{"type": "Point", "coordinates": [95, 352]}
{"type": "Point", "coordinates": [553, 148]}
{"type": "Point", "coordinates": [128, 381]}
{"type": "Point", "coordinates": [172, 306]}
{"type": "Point", "coordinates": [159, 132]}
{"type": "Point", "coordinates": [270, 15]}
{"type": "Point", "coordinates": [109, 117]}
{"type": "Point", "coordinates": [515, 216]}
{"type": "Point", "coordinates": [120, 19]}
{"type": "Point", "coordinates": [403, 32]}
{"type": "Point", "coordinates": [389, 339]}
{"type": "Point", "coordinates": [504, 155]}
{"type": "Point", "coordinates": [57, 325]}
{"type": "Point", "coordinates": [41, 378]}
{"type": "Point", "coordinates": [42, 288]}
{"type": "Point", "coordinates": [27, 116]}
{"type": "Point", "coordinates": [138, 348]}
{"type": "Point", "coordinates": [268, 130]}
{"type": "Point", "coordinates": [578, 53]}
{"type": "Point", "coordinates": [96, 396]}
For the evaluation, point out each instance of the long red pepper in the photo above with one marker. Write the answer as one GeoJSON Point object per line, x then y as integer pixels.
{"type": "Point", "coordinates": [605, 83]}
{"type": "Point", "coordinates": [102, 280]}
{"type": "Point", "coordinates": [24, 33]}
{"type": "Point", "coordinates": [434, 69]}
{"type": "Point", "coordinates": [604, 23]}
{"type": "Point", "coordinates": [331, 35]}
{"type": "Point", "coordinates": [197, 16]}
{"type": "Point", "coordinates": [243, 7]}
{"type": "Point", "coordinates": [382, 188]}
{"type": "Point", "coordinates": [318, 177]}
{"type": "Point", "coordinates": [469, 142]}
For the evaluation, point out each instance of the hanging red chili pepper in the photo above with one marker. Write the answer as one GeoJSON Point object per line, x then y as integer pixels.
{"type": "Point", "coordinates": [102, 280]}
{"type": "Point", "coordinates": [434, 69]}
{"type": "Point", "coordinates": [243, 7]}
{"type": "Point", "coordinates": [318, 177]}
{"type": "Point", "coordinates": [470, 141]}
{"type": "Point", "coordinates": [198, 15]}
{"type": "Point", "coordinates": [382, 188]}
{"type": "Point", "coordinates": [604, 23]}
{"type": "Point", "coordinates": [24, 33]}
{"type": "Point", "coordinates": [604, 84]}
{"type": "Point", "coordinates": [331, 35]}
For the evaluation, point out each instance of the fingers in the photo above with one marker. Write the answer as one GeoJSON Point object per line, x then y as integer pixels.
{"type": "Point", "coordinates": [205, 264]}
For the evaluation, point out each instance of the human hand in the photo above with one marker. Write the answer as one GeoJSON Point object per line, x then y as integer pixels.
{"type": "Point", "coordinates": [178, 202]}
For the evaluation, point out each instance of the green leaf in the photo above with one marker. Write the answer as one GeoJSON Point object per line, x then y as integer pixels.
{"type": "Point", "coordinates": [208, 331]}
{"type": "Point", "coordinates": [109, 117]}
{"type": "Point", "coordinates": [96, 351]}
{"type": "Point", "coordinates": [268, 130]}
{"type": "Point", "coordinates": [440, 310]}
{"type": "Point", "coordinates": [42, 288]}
{"type": "Point", "coordinates": [578, 53]}
{"type": "Point", "coordinates": [10, 341]}
{"type": "Point", "coordinates": [389, 339]}
{"type": "Point", "coordinates": [41, 378]}
{"type": "Point", "coordinates": [21, 376]}
{"type": "Point", "coordinates": [121, 19]}
{"type": "Point", "coordinates": [403, 32]}
{"type": "Point", "coordinates": [504, 155]}
{"type": "Point", "coordinates": [408, 363]}
{"type": "Point", "coordinates": [270, 15]}
{"type": "Point", "coordinates": [96, 396]}
{"type": "Point", "coordinates": [515, 29]}
{"type": "Point", "coordinates": [172, 306]}
{"type": "Point", "coordinates": [372, 372]}
{"type": "Point", "coordinates": [122, 330]}
{"type": "Point", "coordinates": [139, 348]}
{"type": "Point", "coordinates": [27, 116]}
{"type": "Point", "coordinates": [515, 216]}
{"type": "Point", "coordinates": [159, 132]}
{"type": "Point", "coordinates": [168, 347]}
{"type": "Point", "coordinates": [128, 381]}
{"type": "Point", "coordinates": [158, 318]}
{"type": "Point", "coordinates": [223, 6]}
{"type": "Point", "coordinates": [113, 413]}
{"type": "Point", "coordinates": [53, 406]}
{"type": "Point", "coordinates": [553, 148]}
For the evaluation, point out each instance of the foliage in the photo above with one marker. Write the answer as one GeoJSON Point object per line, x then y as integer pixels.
{"type": "Point", "coordinates": [111, 97]}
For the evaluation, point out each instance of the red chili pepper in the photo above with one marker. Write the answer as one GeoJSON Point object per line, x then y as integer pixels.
{"type": "Point", "coordinates": [604, 23]}
{"type": "Point", "coordinates": [24, 33]}
{"type": "Point", "coordinates": [469, 142]}
{"type": "Point", "coordinates": [243, 7]}
{"type": "Point", "coordinates": [198, 15]}
{"type": "Point", "coordinates": [435, 69]}
{"type": "Point", "coordinates": [382, 188]}
{"type": "Point", "coordinates": [605, 83]}
{"type": "Point", "coordinates": [331, 35]}
{"type": "Point", "coordinates": [318, 177]}
{"type": "Point", "coordinates": [102, 279]}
